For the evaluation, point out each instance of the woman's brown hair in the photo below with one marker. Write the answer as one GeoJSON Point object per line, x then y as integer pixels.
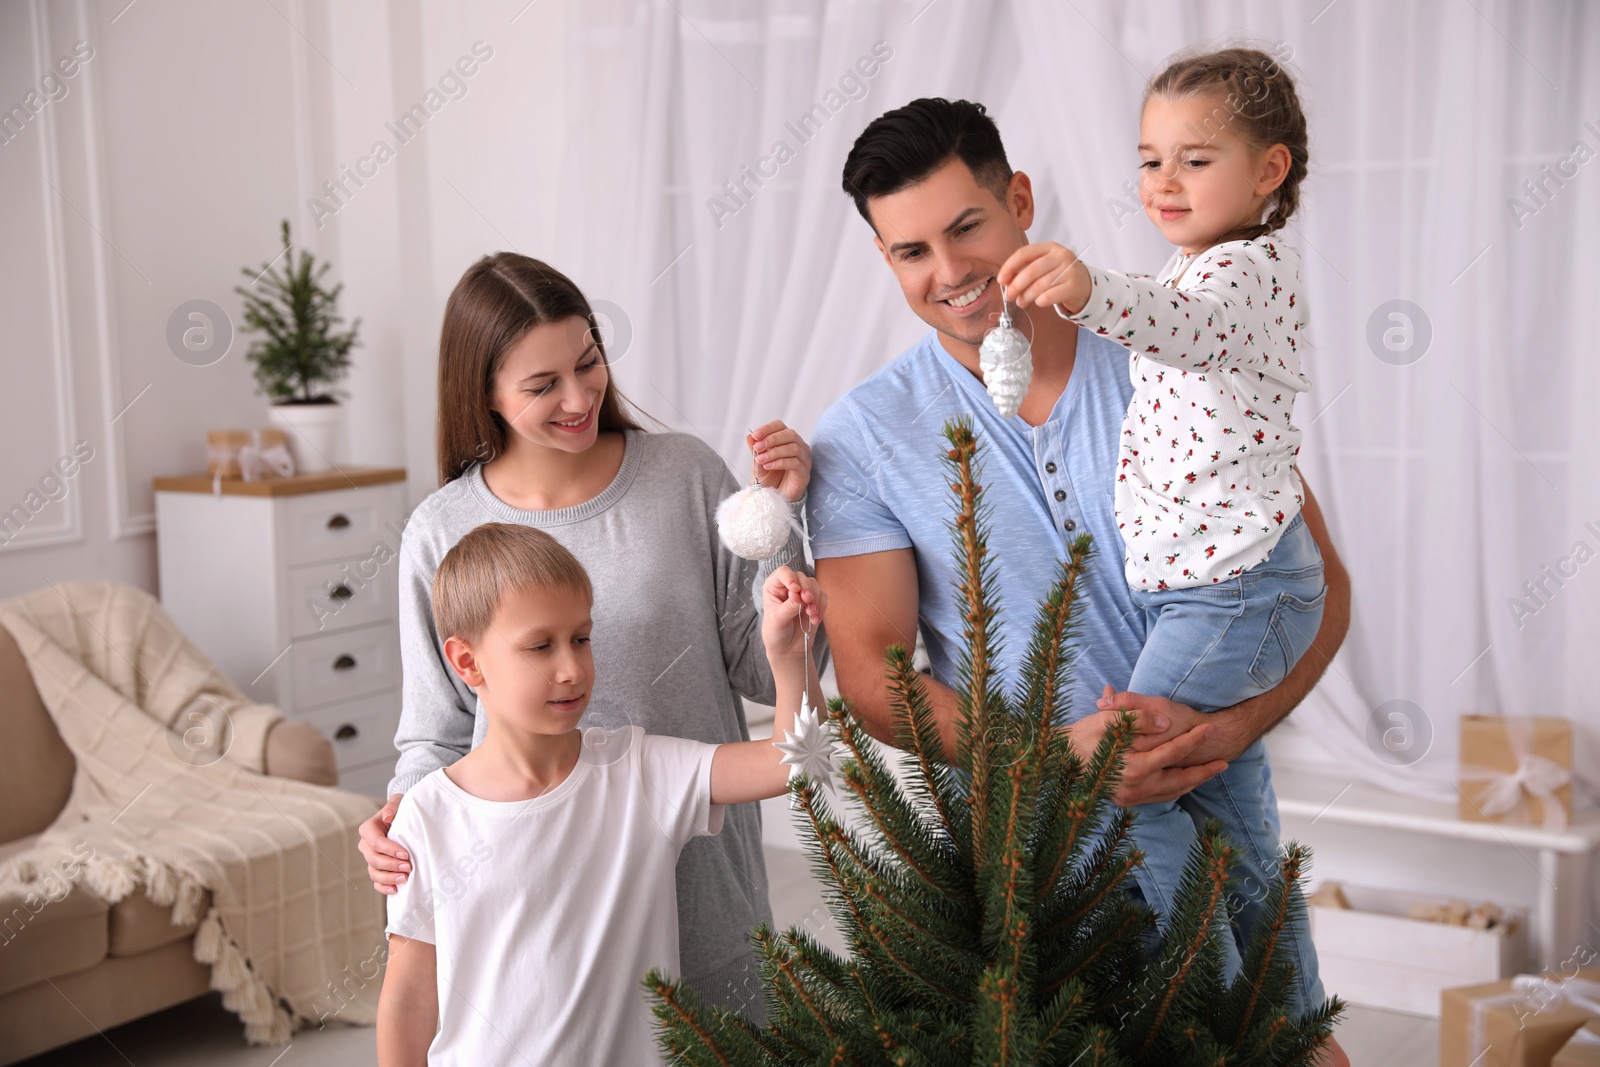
{"type": "Point", "coordinates": [1260, 103]}
{"type": "Point", "coordinates": [498, 300]}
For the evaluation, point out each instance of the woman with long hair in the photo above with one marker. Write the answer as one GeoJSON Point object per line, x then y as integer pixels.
{"type": "Point", "coordinates": [533, 430]}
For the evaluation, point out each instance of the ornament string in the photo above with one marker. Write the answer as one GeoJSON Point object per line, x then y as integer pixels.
{"type": "Point", "coordinates": [809, 749]}
{"type": "Point", "coordinates": [805, 651]}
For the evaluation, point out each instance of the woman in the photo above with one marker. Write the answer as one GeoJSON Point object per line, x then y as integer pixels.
{"type": "Point", "coordinates": [532, 430]}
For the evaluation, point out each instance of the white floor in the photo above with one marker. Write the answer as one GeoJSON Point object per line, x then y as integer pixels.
{"type": "Point", "coordinates": [202, 1034]}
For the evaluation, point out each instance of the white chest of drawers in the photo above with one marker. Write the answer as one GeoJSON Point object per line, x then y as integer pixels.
{"type": "Point", "coordinates": [290, 586]}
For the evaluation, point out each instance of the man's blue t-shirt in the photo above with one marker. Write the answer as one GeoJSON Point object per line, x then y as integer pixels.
{"type": "Point", "coordinates": [879, 482]}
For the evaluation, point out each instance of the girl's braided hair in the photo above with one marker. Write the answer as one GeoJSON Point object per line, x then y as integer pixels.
{"type": "Point", "coordinates": [1259, 103]}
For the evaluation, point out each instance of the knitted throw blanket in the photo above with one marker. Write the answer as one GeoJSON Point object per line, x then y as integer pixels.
{"type": "Point", "coordinates": [294, 932]}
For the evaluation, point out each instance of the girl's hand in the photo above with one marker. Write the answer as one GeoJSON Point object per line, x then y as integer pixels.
{"type": "Point", "coordinates": [782, 459]}
{"type": "Point", "coordinates": [789, 599]}
{"type": "Point", "coordinates": [1045, 274]}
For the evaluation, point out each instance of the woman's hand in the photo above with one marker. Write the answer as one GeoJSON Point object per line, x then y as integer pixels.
{"type": "Point", "coordinates": [782, 459]}
{"type": "Point", "coordinates": [387, 863]}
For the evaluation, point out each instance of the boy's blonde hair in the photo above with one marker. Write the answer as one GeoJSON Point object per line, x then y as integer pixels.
{"type": "Point", "coordinates": [496, 558]}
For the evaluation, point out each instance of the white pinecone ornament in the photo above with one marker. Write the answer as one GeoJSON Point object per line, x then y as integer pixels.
{"type": "Point", "coordinates": [1005, 359]}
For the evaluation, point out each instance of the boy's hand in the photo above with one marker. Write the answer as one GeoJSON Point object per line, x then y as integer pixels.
{"type": "Point", "coordinates": [781, 458]}
{"type": "Point", "coordinates": [1045, 274]}
{"type": "Point", "coordinates": [786, 596]}
{"type": "Point", "coordinates": [752, 770]}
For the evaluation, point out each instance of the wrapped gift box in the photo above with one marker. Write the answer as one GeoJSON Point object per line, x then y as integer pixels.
{"type": "Point", "coordinates": [1582, 1049]}
{"type": "Point", "coordinates": [1519, 1022]}
{"type": "Point", "coordinates": [225, 449]}
{"type": "Point", "coordinates": [1516, 769]}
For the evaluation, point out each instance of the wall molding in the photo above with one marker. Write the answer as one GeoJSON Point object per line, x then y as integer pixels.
{"type": "Point", "coordinates": [69, 530]}
{"type": "Point", "coordinates": [124, 525]}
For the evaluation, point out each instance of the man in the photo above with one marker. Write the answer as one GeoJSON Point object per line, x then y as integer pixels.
{"type": "Point", "coordinates": [946, 212]}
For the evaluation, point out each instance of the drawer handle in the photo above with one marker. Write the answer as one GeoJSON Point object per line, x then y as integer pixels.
{"type": "Point", "coordinates": [340, 592]}
{"type": "Point", "coordinates": [338, 522]}
{"type": "Point", "coordinates": [344, 662]}
{"type": "Point", "coordinates": [345, 732]}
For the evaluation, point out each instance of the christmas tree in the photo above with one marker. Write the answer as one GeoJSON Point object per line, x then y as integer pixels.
{"type": "Point", "coordinates": [983, 903]}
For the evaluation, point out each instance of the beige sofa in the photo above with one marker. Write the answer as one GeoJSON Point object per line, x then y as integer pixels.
{"type": "Point", "coordinates": [73, 966]}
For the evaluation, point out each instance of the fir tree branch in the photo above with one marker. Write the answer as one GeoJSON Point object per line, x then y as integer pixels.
{"type": "Point", "coordinates": [1082, 812]}
{"type": "Point", "coordinates": [1216, 878]}
{"type": "Point", "coordinates": [1062, 1012]}
{"type": "Point", "coordinates": [1047, 675]}
{"type": "Point", "coordinates": [898, 824]}
{"type": "Point", "coordinates": [1120, 926]}
{"type": "Point", "coordinates": [832, 837]}
{"type": "Point", "coordinates": [1013, 918]}
{"type": "Point", "coordinates": [917, 732]}
{"type": "Point", "coordinates": [672, 1011]}
{"type": "Point", "coordinates": [1112, 881]}
{"type": "Point", "coordinates": [977, 719]}
{"type": "Point", "coordinates": [1278, 921]}
{"type": "Point", "coordinates": [786, 970]}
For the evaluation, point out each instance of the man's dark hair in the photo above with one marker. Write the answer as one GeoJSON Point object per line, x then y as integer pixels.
{"type": "Point", "coordinates": [902, 147]}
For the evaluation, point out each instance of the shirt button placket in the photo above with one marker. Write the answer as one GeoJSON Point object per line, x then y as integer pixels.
{"type": "Point", "coordinates": [1060, 495]}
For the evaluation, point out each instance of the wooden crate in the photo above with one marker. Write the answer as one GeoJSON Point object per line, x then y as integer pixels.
{"type": "Point", "coordinates": [1372, 954]}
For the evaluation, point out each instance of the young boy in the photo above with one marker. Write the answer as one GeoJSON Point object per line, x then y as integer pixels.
{"type": "Point", "coordinates": [542, 888]}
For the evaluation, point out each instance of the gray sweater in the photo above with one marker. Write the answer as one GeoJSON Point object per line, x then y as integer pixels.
{"type": "Point", "coordinates": [676, 640]}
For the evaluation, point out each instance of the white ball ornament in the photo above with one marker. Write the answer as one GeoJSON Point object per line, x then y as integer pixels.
{"type": "Point", "coordinates": [1005, 359]}
{"type": "Point", "coordinates": [754, 522]}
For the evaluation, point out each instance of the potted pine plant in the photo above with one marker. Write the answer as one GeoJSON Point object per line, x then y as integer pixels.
{"type": "Point", "coordinates": [302, 353]}
{"type": "Point", "coordinates": [982, 899]}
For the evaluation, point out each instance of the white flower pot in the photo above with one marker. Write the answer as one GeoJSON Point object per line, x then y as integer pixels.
{"type": "Point", "coordinates": [313, 431]}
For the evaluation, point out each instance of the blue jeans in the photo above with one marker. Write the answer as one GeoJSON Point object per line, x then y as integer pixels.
{"type": "Point", "coordinates": [1210, 648]}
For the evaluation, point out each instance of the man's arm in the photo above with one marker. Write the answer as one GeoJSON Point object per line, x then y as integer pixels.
{"type": "Point", "coordinates": [1243, 724]}
{"type": "Point", "coordinates": [872, 604]}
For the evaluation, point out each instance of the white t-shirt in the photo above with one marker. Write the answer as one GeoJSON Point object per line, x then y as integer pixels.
{"type": "Point", "coordinates": [546, 913]}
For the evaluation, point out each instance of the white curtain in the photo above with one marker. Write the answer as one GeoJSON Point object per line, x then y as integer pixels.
{"type": "Point", "coordinates": [1449, 480]}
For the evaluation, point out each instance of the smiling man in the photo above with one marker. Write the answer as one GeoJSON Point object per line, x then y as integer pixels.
{"type": "Point", "coordinates": [946, 211]}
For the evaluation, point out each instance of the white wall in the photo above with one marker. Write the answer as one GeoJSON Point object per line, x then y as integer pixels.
{"type": "Point", "coordinates": [164, 168]}
{"type": "Point", "coordinates": [135, 191]}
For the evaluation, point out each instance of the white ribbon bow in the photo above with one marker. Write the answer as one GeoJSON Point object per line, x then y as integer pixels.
{"type": "Point", "coordinates": [1534, 775]}
{"type": "Point", "coordinates": [255, 462]}
{"type": "Point", "coordinates": [1538, 992]}
{"type": "Point", "coordinates": [1579, 992]}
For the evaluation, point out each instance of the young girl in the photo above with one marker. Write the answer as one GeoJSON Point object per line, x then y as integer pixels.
{"type": "Point", "coordinates": [532, 430]}
{"type": "Point", "coordinates": [1207, 495]}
